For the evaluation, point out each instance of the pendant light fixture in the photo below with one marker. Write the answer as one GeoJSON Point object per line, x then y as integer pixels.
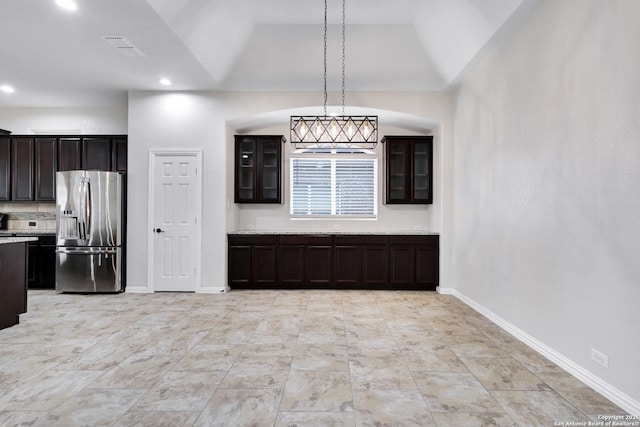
{"type": "Point", "coordinates": [334, 130]}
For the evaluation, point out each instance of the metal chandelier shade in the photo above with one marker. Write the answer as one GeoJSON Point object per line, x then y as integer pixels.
{"type": "Point", "coordinates": [334, 130]}
{"type": "Point", "coordinates": [330, 131]}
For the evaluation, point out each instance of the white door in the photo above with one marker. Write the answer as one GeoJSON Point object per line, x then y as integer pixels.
{"type": "Point", "coordinates": [175, 232]}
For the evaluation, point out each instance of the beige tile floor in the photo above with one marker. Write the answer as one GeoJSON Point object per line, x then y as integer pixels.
{"type": "Point", "coordinates": [276, 358]}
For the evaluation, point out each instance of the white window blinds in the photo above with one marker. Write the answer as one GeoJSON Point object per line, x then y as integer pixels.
{"type": "Point", "coordinates": [334, 187]}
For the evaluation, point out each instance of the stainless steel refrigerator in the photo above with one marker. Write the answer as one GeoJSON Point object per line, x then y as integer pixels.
{"type": "Point", "coordinates": [89, 231]}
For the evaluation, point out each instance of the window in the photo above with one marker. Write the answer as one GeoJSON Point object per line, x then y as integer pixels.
{"type": "Point", "coordinates": [334, 184]}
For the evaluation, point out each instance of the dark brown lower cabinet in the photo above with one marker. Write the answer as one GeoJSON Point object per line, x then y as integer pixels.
{"type": "Point", "coordinates": [252, 261]}
{"type": "Point", "coordinates": [402, 265]}
{"type": "Point", "coordinates": [305, 261]}
{"type": "Point", "coordinates": [264, 265]}
{"type": "Point", "coordinates": [348, 264]}
{"type": "Point", "coordinates": [427, 267]}
{"type": "Point", "coordinates": [239, 264]}
{"type": "Point", "coordinates": [299, 261]}
{"type": "Point", "coordinates": [414, 261]}
{"type": "Point", "coordinates": [361, 261]}
{"type": "Point", "coordinates": [42, 263]}
{"type": "Point", "coordinates": [13, 283]}
{"type": "Point", "coordinates": [291, 262]}
{"type": "Point", "coordinates": [319, 261]}
{"type": "Point", "coordinates": [375, 263]}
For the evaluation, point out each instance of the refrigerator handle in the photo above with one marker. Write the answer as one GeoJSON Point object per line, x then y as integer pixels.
{"type": "Point", "coordinates": [87, 210]}
{"type": "Point", "coordinates": [81, 211]}
{"type": "Point", "coordinates": [84, 211]}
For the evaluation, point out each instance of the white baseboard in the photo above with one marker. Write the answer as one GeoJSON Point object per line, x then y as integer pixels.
{"type": "Point", "coordinates": [212, 290]}
{"type": "Point", "coordinates": [145, 290]}
{"type": "Point", "coordinates": [621, 399]}
{"type": "Point", "coordinates": [445, 291]}
{"type": "Point", "coordinates": [137, 290]}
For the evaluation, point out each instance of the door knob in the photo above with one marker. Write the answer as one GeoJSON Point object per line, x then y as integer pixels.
{"type": "Point", "coordinates": [158, 230]}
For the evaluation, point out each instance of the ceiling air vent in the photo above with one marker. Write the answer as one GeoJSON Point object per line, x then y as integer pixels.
{"type": "Point", "coordinates": [123, 45]}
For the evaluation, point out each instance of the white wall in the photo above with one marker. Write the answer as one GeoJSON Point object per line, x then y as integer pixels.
{"type": "Point", "coordinates": [85, 120]}
{"type": "Point", "coordinates": [176, 120]}
{"type": "Point", "coordinates": [201, 120]}
{"type": "Point", "coordinates": [547, 175]}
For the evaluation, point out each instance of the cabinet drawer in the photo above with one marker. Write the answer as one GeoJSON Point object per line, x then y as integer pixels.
{"type": "Point", "coordinates": [360, 240]}
{"type": "Point", "coordinates": [252, 239]}
{"type": "Point", "coordinates": [305, 239]}
{"type": "Point", "coordinates": [414, 240]}
{"type": "Point", "coordinates": [47, 240]}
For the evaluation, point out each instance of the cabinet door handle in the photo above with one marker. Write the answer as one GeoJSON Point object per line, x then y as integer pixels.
{"type": "Point", "coordinates": [158, 230]}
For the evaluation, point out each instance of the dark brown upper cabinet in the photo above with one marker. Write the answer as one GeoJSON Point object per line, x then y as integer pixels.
{"type": "Point", "coordinates": [69, 154]}
{"type": "Point", "coordinates": [28, 164]}
{"type": "Point", "coordinates": [5, 169]}
{"type": "Point", "coordinates": [22, 169]}
{"type": "Point", "coordinates": [258, 169]}
{"type": "Point", "coordinates": [33, 169]}
{"type": "Point", "coordinates": [104, 153]}
{"type": "Point", "coordinates": [96, 153]}
{"type": "Point", "coordinates": [46, 161]}
{"type": "Point", "coordinates": [119, 155]}
{"type": "Point", "coordinates": [409, 169]}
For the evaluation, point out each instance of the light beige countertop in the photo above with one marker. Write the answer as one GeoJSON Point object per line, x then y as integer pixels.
{"type": "Point", "coordinates": [7, 240]}
{"type": "Point", "coordinates": [13, 233]}
{"type": "Point", "coordinates": [340, 232]}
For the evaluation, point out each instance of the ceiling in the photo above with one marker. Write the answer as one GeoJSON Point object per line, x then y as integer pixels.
{"type": "Point", "coordinates": [54, 57]}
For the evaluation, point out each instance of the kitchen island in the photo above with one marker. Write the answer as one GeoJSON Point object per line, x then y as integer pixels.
{"type": "Point", "coordinates": [14, 256]}
{"type": "Point", "coordinates": [345, 260]}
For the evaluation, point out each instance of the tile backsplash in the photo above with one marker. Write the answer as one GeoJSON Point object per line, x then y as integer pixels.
{"type": "Point", "coordinates": [23, 215]}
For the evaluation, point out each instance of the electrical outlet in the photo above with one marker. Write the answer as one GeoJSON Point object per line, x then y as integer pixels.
{"type": "Point", "coordinates": [600, 358]}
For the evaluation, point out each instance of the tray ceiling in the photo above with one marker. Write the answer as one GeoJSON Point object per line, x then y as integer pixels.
{"type": "Point", "coordinates": [54, 57]}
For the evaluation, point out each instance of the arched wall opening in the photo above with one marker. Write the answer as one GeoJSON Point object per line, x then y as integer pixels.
{"type": "Point", "coordinates": [390, 218]}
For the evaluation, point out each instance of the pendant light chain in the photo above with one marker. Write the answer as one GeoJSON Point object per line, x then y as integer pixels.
{"type": "Point", "coordinates": [343, 51]}
{"type": "Point", "coordinates": [334, 130]}
{"type": "Point", "coordinates": [325, 58]}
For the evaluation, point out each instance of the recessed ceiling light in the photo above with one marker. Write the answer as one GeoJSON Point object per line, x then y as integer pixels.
{"type": "Point", "coordinates": [165, 82]}
{"type": "Point", "coordinates": [7, 89]}
{"type": "Point", "coordinates": [67, 4]}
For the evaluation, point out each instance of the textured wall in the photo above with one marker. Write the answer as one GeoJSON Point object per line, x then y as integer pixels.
{"type": "Point", "coordinates": [547, 175]}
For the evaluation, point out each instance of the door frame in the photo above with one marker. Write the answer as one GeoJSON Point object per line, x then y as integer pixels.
{"type": "Point", "coordinates": [153, 155]}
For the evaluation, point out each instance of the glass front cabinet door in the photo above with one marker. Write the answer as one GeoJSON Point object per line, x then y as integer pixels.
{"type": "Point", "coordinates": [258, 169]}
{"type": "Point", "coordinates": [409, 169]}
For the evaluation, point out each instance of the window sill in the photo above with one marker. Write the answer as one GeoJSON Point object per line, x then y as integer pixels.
{"type": "Point", "coordinates": [331, 217]}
